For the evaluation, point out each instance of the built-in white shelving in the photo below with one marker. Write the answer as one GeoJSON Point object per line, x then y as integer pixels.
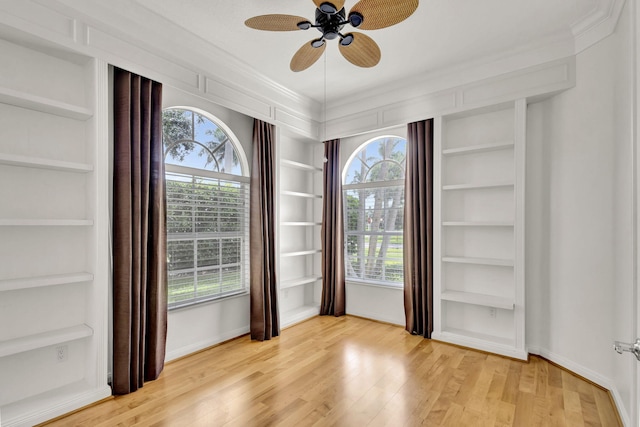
{"type": "Point", "coordinates": [43, 281]}
{"type": "Point", "coordinates": [482, 261]}
{"type": "Point", "coordinates": [299, 212]}
{"type": "Point", "coordinates": [45, 339]}
{"type": "Point", "coordinates": [479, 186]}
{"type": "Point", "coordinates": [298, 314]}
{"type": "Point", "coordinates": [478, 299]}
{"type": "Point", "coordinates": [43, 104]}
{"type": "Point", "coordinates": [482, 148]}
{"type": "Point", "coordinates": [301, 194]}
{"type": "Point", "coordinates": [479, 229]}
{"type": "Point", "coordinates": [56, 223]}
{"type": "Point", "coordinates": [300, 253]}
{"type": "Point", "coordinates": [477, 224]}
{"type": "Point", "coordinates": [292, 283]}
{"type": "Point", "coordinates": [24, 222]}
{"type": "Point", "coordinates": [478, 340]}
{"type": "Point", "coordinates": [300, 165]}
{"type": "Point", "coordinates": [40, 163]}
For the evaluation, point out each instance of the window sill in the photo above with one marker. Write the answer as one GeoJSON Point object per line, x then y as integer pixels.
{"type": "Point", "coordinates": [213, 300]}
{"type": "Point", "coordinates": [398, 286]}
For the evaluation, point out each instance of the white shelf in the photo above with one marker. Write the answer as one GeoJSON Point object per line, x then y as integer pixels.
{"type": "Point", "coordinates": [42, 281]}
{"type": "Point", "coordinates": [301, 253]}
{"type": "Point", "coordinates": [476, 186]}
{"type": "Point", "coordinates": [477, 149]}
{"type": "Point", "coordinates": [478, 299]}
{"type": "Point", "coordinates": [299, 194]}
{"type": "Point", "coordinates": [44, 105]}
{"type": "Point", "coordinates": [39, 163]}
{"type": "Point", "coordinates": [45, 222]}
{"type": "Point", "coordinates": [477, 224]}
{"type": "Point", "coordinates": [450, 335]}
{"type": "Point", "coordinates": [481, 261]}
{"type": "Point", "coordinates": [479, 173]}
{"type": "Point", "coordinates": [45, 339]}
{"type": "Point", "coordinates": [300, 224]}
{"type": "Point", "coordinates": [299, 314]}
{"type": "Point", "coordinates": [299, 282]}
{"type": "Point", "coordinates": [299, 165]}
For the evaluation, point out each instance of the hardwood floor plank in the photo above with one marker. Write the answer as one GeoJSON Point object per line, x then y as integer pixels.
{"type": "Point", "coordinates": [349, 371]}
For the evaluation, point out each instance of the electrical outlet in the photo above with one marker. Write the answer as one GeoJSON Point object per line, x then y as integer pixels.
{"type": "Point", "coordinates": [62, 353]}
{"type": "Point", "coordinates": [492, 312]}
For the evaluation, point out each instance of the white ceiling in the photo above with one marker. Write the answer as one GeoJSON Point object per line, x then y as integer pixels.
{"type": "Point", "coordinates": [440, 34]}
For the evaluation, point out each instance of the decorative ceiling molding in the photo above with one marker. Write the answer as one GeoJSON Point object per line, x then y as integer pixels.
{"type": "Point", "coordinates": [167, 42]}
{"type": "Point", "coordinates": [600, 23]}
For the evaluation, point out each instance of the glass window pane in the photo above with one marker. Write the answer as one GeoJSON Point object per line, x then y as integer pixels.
{"type": "Point", "coordinates": [181, 287]}
{"type": "Point", "coordinates": [207, 216]}
{"type": "Point", "coordinates": [208, 252]}
{"type": "Point", "coordinates": [181, 254]}
{"type": "Point", "coordinates": [374, 214]}
{"type": "Point", "coordinates": [193, 140]}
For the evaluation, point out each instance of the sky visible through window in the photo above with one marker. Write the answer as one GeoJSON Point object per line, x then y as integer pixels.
{"type": "Point", "coordinates": [195, 141]}
{"type": "Point", "coordinates": [374, 154]}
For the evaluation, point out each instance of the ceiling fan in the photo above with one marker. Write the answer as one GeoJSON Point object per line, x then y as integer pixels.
{"type": "Point", "coordinates": [357, 48]}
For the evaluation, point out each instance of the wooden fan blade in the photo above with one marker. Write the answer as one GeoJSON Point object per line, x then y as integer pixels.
{"type": "Point", "coordinates": [275, 22]}
{"type": "Point", "coordinates": [383, 13]}
{"type": "Point", "coordinates": [306, 56]}
{"type": "Point", "coordinates": [362, 51]}
{"type": "Point", "coordinates": [339, 4]}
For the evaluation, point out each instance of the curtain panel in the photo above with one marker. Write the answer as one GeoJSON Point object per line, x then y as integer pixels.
{"type": "Point", "coordinates": [333, 270]}
{"type": "Point", "coordinates": [264, 317]}
{"type": "Point", "coordinates": [139, 233]}
{"type": "Point", "coordinates": [418, 229]}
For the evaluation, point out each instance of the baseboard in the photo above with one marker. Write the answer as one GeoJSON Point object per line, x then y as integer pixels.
{"type": "Point", "coordinates": [589, 375]}
{"type": "Point", "coordinates": [375, 316]}
{"type": "Point", "coordinates": [45, 411]}
{"type": "Point", "coordinates": [201, 345]}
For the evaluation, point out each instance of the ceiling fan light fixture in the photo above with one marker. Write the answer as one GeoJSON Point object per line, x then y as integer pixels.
{"type": "Point", "coordinates": [346, 40]}
{"type": "Point", "coordinates": [330, 18]}
{"type": "Point", "coordinates": [331, 35]}
{"type": "Point", "coordinates": [328, 8]}
{"type": "Point", "coordinates": [317, 43]}
{"type": "Point", "coordinates": [355, 19]}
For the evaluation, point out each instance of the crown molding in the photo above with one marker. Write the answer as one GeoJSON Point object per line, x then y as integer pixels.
{"type": "Point", "coordinates": [597, 25]}
{"type": "Point", "coordinates": [168, 52]}
{"type": "Point", "coordinates": [171, 54]}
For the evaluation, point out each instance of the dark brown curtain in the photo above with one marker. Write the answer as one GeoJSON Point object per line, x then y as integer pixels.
{"type": "Point", "coordinates": [139, 233]}
{"type": "Point", "coordinates": [264, 322]}
{"type": "Point", "coordinates": [333, 285]}
{"type": "Point", "coordinates": [418, 229]}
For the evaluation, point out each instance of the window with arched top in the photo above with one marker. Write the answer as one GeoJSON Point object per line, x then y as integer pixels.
{"type": "Point", "coordinates": [373, 188]}
{"type": "Point", "coordinates": [207, 208]}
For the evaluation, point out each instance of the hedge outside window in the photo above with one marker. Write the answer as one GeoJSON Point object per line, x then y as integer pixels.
{"type": "Point", "coordinates": [207, 209]}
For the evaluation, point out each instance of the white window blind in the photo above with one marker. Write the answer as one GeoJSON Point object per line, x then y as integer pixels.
{"type": "Point", "coordinates": [374, 233]}
{"type": "Point", "coordinates": [207, 235]}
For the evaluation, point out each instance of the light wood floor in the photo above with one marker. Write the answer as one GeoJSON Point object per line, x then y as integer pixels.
{"type": "Point", "coordinates": [353, 372]}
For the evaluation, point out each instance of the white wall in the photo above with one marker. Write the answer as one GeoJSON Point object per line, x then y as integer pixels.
{"type": "Point", "coordinates": [194, 328]}
{"type": "Point", "coordinates": [579, 218]}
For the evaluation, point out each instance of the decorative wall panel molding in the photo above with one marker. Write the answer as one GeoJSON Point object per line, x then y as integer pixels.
{"type": "Point", "coordinates": [541, 80]}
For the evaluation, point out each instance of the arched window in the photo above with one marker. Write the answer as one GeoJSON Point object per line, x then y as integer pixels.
{"type": "Point", "coordinates": [374, 210]}
{"type": "Point", "coordinates": [207, 208]}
